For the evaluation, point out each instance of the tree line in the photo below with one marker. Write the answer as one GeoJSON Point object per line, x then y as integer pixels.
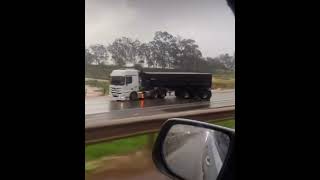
{"type": "Point", "coordinates": [164, 51]}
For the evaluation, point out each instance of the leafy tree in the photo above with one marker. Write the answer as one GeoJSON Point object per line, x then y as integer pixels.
{"type": "Point", "coordinates": [99, 53]}
{"type": "Point", "coordinates": [124, 50]}
{"type": "Point", "coordinates": [89, 58]}
{"type": "Point", "coordinates": [228, 61]}
{"type": "Point", "coordinates": [189, 55]}
{"type": "Point", "coordinates": [146, 55]}
{"type": "Point", "coordinates": [163, 49]}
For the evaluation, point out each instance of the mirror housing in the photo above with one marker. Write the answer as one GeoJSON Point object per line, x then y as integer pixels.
{"type": "Point", "coordinates": [159, 158]}
{"type": "Point", "coordinates": [231, 4]}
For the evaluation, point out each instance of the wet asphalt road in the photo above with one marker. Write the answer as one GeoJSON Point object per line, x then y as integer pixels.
{"type": "Point", "coordinates": [112, 110]}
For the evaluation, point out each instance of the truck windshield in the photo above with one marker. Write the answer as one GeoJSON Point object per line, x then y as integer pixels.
{"type": "Point", "coordinates": [117, 80]}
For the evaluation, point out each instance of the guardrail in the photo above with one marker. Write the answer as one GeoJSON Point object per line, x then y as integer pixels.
{"type": "Point", "coordinates": [99, 131]}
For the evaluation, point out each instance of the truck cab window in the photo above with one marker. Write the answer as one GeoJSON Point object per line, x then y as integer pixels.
{"type": "Point", "coordinates": [128, 79]}
{"type": "Point", "coordinates": [117, 80]}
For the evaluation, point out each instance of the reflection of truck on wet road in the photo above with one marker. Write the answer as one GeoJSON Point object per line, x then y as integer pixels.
{"type": "Point", "coordinates": [133, 84]}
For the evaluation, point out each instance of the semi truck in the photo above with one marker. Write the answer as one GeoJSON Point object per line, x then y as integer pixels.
{"type": "Point", "coordinates": [132, 84]}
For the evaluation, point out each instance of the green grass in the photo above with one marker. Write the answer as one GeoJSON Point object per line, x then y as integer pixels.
{"type": "Point", "coordinates": [223, 81]}
{"type": "Point", "coordinates": [223, 84]}
{"type": "Point", "coordinates": [115, 147]}
{"type": "Point", "coordinates": [102, 85]}
{"type": "Point", "coordinates": [228, 123]}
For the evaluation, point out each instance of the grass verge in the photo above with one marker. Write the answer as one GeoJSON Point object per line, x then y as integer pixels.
{"type": "Point", "coordinates": [223, 81]}
{"type": "Point", "coordinates": [115, 147]}
{"type": "Point", "coordinates": [227, 123]}
{"type": "Point", "coordinates": [102, 85]}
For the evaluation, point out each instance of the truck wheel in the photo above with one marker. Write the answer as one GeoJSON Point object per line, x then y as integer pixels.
{"type": "Point", "coordinates": [205, 94]}
{"type": "Point", "coordinates": [133, 96]}
{"type": "Point", "coordinates": [185, 94]}
{"type": "Point", "coordinates": [177, 93]}
{"type": "Point", "coordinates": [162, 94]}
{"type": "Point", "coordinates": [154, 94]}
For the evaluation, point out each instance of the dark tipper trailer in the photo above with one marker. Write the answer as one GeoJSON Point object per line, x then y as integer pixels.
{"type": "Point", "coordinates": [185, 84]}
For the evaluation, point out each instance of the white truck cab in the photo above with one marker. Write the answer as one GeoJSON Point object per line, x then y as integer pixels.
{"type": "Point", "coordinates": [124, 83]}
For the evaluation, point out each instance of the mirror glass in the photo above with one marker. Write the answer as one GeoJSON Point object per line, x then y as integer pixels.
{"type": "Point", "coordinates": [195, 153]}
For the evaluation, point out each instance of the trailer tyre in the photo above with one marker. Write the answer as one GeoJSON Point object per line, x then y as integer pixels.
{"type": "Point", "coordinates": [154, 94]}
{"type": "Point", "coordinates": [133, 96]}
{"type": "Point", "coordinates": [186, 94]}
{"type": "Point", "coordinates": [162, 94]}
{"type": "Point", "coordinates": [178, 93]}
{"type": "Point", "coordinates": [205, 94]}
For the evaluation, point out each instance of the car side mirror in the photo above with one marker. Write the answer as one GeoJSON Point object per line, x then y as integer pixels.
{"type": "Point", "coordinates": [231, 4]}
{"type": "Point", "coordinates": [193, 150]}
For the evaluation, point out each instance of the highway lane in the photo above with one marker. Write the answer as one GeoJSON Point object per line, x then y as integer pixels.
{"type": "Point", "coordinates": [102, 104]}
{"type": "Point", "coordinates": [103, 108]}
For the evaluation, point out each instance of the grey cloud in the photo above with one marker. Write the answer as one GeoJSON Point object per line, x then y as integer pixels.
{"type": "Point", "coordinates": [209, 22]}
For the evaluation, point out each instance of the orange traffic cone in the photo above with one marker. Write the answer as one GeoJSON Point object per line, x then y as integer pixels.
{"type": "Point", "coordinates": [142, 103]}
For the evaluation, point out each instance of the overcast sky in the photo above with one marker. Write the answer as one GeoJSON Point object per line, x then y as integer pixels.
{"type": "Point", "coordinates": [209, 22]}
